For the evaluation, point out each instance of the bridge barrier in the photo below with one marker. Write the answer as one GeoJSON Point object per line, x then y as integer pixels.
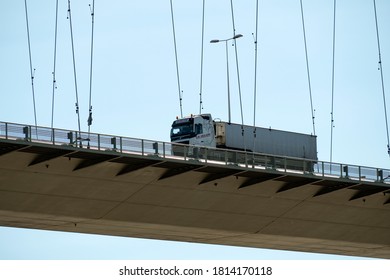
{"type": "Point", "coordinates": [143, 147]}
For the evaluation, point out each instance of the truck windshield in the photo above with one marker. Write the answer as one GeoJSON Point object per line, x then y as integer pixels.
{"type": "Point", "coordinates": [181, 130]}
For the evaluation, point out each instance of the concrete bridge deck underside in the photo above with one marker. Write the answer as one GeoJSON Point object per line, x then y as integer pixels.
{"type": "Point", "coordinates": [78, 190]}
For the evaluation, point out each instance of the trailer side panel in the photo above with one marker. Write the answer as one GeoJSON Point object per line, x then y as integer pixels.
{"type": "Point", "coordinates": [267, 141]}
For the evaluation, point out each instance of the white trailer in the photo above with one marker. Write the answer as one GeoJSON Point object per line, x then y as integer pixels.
{"type": "Point", "coordinates": [265, 140]}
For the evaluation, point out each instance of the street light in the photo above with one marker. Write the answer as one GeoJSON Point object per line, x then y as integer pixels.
{"type": "Point", "coordinates": [227, 65]}
{"type": "Point", "coordinates": [225, 40]}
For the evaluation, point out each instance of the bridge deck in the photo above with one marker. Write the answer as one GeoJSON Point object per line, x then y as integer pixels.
{"type": "Point", "coordinates": [134, 187]}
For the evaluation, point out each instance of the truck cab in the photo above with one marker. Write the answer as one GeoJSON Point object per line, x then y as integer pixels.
{"type": "Point", "coordinates": [197, 130]}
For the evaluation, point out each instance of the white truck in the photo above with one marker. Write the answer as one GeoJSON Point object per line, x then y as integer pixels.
{"type": "Point", "coordinates": [199, 131]}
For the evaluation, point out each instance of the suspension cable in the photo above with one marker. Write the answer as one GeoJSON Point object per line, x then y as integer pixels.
{"type": "Point", "coordinates": [333, 66]}
{"type": "Point", "coordinates": [308, 69]}
{"type": "Point", "coordinates": [237, 65]}
{"type": "Point", "coordinates": [255, 78]}
{"type": "Point", "coordinates": [90, 70]}
{"type": "Point", "coordinates": [32, 71]}
{"type": "Point", "coordinates": [74, 67]}
{"type": "Point", "coordinates": [177, 62]}
{"type": "Point", "coordinates": [54, 67]}
{"type": "Point", "coordinates": [201, 62]}
{"type": "Point", "coordinates": [380, 67]}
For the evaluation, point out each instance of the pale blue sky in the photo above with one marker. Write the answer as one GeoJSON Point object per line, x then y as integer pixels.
{"type": "Point", "coordinates": [135, 88]}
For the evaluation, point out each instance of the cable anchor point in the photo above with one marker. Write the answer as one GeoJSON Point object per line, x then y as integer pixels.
{"type": "Point", "coordinates": [90, 119]}
{"type": "Point", "coordinates": [91, 10]}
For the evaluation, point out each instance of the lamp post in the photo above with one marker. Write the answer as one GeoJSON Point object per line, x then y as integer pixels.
{"type": "Point", "coordinates": [227, 66]}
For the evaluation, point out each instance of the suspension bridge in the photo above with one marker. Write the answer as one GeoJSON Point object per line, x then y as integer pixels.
{"type": "Point", "coordinates": [75, 181]}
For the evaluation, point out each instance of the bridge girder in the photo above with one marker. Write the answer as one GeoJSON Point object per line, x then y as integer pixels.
{"type": "Point", "coordinates": [71, 189]}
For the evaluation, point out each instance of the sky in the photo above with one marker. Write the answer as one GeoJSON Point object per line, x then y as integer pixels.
{"type": "Point", "coordinates": [135, 93]}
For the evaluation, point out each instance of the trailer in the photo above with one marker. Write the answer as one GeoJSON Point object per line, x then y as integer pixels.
{"type": "Point", "coordinates": [265, 140]}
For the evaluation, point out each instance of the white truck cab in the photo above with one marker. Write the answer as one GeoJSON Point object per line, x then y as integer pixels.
{"type": "Point", "coordinates": [197, 130]}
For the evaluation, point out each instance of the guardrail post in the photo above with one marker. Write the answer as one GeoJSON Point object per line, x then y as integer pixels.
{"type": "Point", "coordinates": [78, 140]}
{"type": "Point", "coordinates": [26, 132]}
{"type": "Point", "coordinates": [345, 169]}
{"type": "Point", "coordinates": [155, 147]}
{"type": "Point", "coordinates": [163, 149]}
{"type": "Point", "coordinates": [195, 152]}
{"type": "Point", "coordinates": [379, 175]}
{"type": "Point", "coordinates": [360, 173]}
{"type": "Point", "coordinates": [273, 163]}
{"type": "Point", "coordinates": [70, 137]}
{"type": "Point", "coordinates": [6, 130]}
{"type": "Point", "coordinates": [113, 143]}
{"type": "Point", "coordinates": [307, 166]}
{"type": "Point", "coordinates": [98, 139]}
{"type": "Point", "coordinates": [53, 135]}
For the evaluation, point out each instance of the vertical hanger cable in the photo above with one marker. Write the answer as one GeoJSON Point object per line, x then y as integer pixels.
{"type": "Point", "coordinates": [177, 61]}
{"type": "Point", "coordinates": [380, 67]}
{"type": "Point", "coordinates": [90, 70]}
{"type": "Point", "coordinates": [54, 67]}
{"type": "Point", "coordinates": [308, 69]}
{"type": "Point", "coordinates": [201, 62]}
{"type": "Point", "coordinates": [333, 79]}
{"type": "Point", "coordinates": [32, 70]}
{"type": "Point", "coordinates": [74, 69]}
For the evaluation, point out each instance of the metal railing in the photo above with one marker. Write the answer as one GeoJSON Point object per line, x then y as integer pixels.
{"type": "Point", "coordinates": [142, 147]}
